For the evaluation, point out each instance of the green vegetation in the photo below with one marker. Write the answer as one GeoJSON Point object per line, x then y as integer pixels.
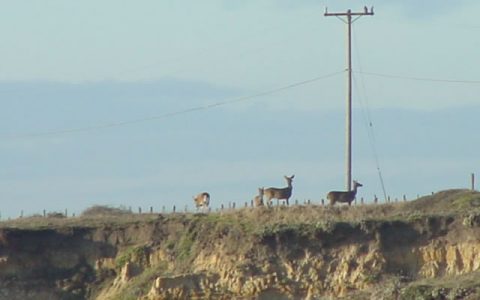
{"type": "Point", "coordinates": [136, 253]}
{"type": "Point", "coordinates": [259, 241]}
{"type": "Point", "coordinates": [467, 201]}
{"type": "Point", "coordinates": [372, 278]}
{"type": "Point", "coordinates": [185, 245]}
{"type": "Point", "coordinates": [139, 285]}
{"type": "Point", "coordinates": [248, 220]}
{"type": "Point", "coordinates": [301, 229]}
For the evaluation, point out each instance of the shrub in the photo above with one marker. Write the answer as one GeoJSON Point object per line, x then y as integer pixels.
{"type": "Point", "coordinates": [134, 253]}
{"type": "Point", "coordinates": [99, 210]}
{"type": "Point", "coordinates": [56, 215]}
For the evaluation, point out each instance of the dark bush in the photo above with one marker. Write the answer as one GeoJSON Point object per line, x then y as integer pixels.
{"type": "Point", "coordinates": [100, 210]}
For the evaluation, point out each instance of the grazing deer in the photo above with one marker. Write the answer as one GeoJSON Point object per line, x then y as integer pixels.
{"type": "Point", "coordinates": [279, 194]}
{"type": "Point", "coordinates": [345, 197]}
{"type": "Point", "coordinates": [258, 200]}
{"type": "Point", "coordinates": [202, 200]}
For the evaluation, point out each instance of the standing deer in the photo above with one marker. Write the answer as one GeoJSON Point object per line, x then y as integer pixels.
{"type": "Point", "coordinates": [258, 200]}
{"type": "Point", "coordinates": [279, 194]}
{"type": "Point", "coordinates": [202, 200]}
{"type": "Point", "coordinates": [345, 197]}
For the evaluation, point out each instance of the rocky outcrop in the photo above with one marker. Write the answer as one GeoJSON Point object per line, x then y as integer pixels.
{"type": "Point", "coordinates": [349, 258]}
{"type": "Point", "coordinates": [441, 259]}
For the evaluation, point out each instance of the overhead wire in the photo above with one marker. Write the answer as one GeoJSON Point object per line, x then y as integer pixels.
{"type": "Point", "coordinates": [368, 120]}
{"type": "Point", "coordinates": [417, 78]}
{"type": "Point", "coordinates": [174, 113]}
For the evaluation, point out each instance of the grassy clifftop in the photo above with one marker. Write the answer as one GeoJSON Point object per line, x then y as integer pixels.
{"type": "Point", "coordinates": [423, 248]}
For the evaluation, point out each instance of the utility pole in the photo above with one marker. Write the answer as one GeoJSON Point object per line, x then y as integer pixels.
{"type": "Point", "coordinates": [348, 153]}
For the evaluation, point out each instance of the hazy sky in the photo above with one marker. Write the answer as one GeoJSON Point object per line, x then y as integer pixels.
{"type": "Point", "coordinates": [91, 64]}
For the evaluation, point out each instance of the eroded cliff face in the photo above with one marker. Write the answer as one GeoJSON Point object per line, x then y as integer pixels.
{"type": "Point", "coordinates": [334, 262]}
{"type": "Point", "coordinates": [205, 258]}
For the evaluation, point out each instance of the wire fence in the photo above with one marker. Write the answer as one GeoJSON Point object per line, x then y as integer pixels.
{"type": "Point", "coordinates": [224, 207]}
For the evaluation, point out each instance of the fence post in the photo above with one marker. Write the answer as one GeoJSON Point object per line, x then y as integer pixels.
{"type": "Point", "coordinates": [233, 205]}
{"type": "Point", "coordinates": [163, 209]}
{"type": "Point", "coordinates": [404, 198]}
{"type": "Point", "coordinates": [323, 202]}
{"type": "Point", "coordinates": [186, 208]}
{"type": "Point", "coordinates": [375, 199]}
{"type": "Point", "coordinates": [21, 213]}
{"type": "Point", "coordinates": [44, 213]}
{"type": "Point", "coordinates": [361, 200]}
{"type": "Point", "coordinates": [473, 181]}
{"type": "Point", "coordinates": [151, 209]}
{"type": "Point", "coordinates": [221, 208]}
{"type": "Point", "coordinates": [139, 210]}
{"type": "Point", "coordinates": [66, 213]}
{"type": "Point", "coordinates": [251, 203]}
{"type": "Point", "coordinates": [174, 208]}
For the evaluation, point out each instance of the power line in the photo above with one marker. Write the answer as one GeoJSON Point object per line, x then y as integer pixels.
{"type": "Point", "coordinates": [371, 134]}
{"type": "Point", "coordinates": [174, 113]}
{"type": "Point", "coordinates": [418, 78]}
{"type": "Point", "coordinates": [369, 121]}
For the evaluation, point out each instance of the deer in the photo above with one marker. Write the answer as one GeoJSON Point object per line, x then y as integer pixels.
{"type": "Point", "coordinates": [342, 196]}
{"type": "Point", "coordinates": [202, 200]}
{"type": "Point", "coordinates": [258, 199]}
{"type": "Point", "coordinates": [279, 193]}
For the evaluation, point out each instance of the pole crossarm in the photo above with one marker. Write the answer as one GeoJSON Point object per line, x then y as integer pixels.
{"type": "Point", "coordinates": [348, 14]}
{"type": "Point", "coordinates": [348, 137]}
{"type": "Point", "coordinates": [365, 12]}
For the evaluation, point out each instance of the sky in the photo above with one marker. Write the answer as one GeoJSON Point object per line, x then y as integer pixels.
{"type": "Point", "coordinates": [147, 103]}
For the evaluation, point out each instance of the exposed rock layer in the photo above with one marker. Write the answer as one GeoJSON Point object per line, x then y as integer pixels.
{"type": "Point", "coordinates": [197, 258]}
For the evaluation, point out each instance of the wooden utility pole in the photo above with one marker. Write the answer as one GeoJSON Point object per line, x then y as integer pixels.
{"type": "Point", "coordinates": [348, 153]}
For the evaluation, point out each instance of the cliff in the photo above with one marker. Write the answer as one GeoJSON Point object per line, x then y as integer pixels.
{"type": "Point", "coordinates": [423, 249]}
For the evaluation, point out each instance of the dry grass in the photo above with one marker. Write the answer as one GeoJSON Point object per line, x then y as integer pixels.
{"type": "Point", "coordinates": [179, 232]}
{"type": "Point", "coordinates": [96, 216]}
{"type": "Point", "coordinates": [449, 202]}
